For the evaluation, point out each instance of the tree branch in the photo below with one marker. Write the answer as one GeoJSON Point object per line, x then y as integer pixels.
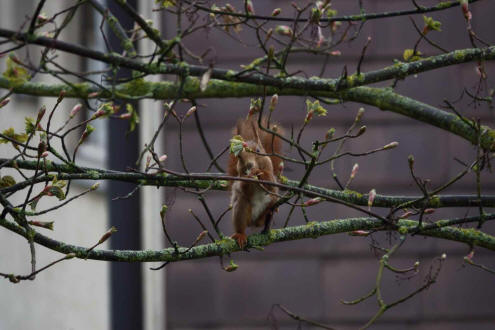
{"type": "Point", "coordinates": [399, 70]}
{"type": "Point", "coordinates": [216, 181]}
{"type": "Point", "coordinates": [471, 237]}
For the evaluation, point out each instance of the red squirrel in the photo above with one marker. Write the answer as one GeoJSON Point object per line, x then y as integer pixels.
{"type": "Point", "coordinates": [252, 205]}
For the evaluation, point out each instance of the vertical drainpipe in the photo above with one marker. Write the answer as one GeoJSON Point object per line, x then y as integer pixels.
{"type": "Point", "coordinates": [125, 278]}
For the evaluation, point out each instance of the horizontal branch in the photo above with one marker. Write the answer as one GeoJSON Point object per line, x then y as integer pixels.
{"type": "Point", "coordinates": [382, 98]}
{"type": "Point", "coordinates": [215, 181]}
{"type": "Point", "coordinates": [347, 18]}
{"type": "Point", "coordinates": [226, 246]}
{"type": "Point", "coordinates": [398, 70]}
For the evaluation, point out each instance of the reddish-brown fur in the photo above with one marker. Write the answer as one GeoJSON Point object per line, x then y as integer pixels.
{"type": "Point", "coordinates": [249, 199]}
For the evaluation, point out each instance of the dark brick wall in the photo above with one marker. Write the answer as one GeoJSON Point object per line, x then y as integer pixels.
{"type": "Point", "coordinates": [309, 277]}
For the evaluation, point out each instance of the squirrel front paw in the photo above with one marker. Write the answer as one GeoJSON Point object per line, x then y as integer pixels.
{"type": "Point", "coordinates": [240, 238]}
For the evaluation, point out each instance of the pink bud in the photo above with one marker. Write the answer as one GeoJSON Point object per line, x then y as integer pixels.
{"type": "Point", "coordinates": [281, 167]}
{"type": "Point", "coordinates": [249, 7]}
{"type": "Point", "coordinates": [41, 113]}
{"type": "Point", "coordinates": [92, 95]}
{"type": "Point", "coordinates": [42, 224]}
{"type": "Point", "coordinates": [46, 191]}
{"type": "Point", "coordinates": [163, 158]}
{"type": "Point", "coordinates": [284, 30]}
{"type": "Point", "coordinates": [276, 12]}
{"type": "Point", "coordinates": [480, 71]}
{"type": "Point", "coordinates": [61, 96]}
{"type": "Point", "coordinates": [107, 235]}
{"type": "Point", "coordinates": [190, 111]}
{"type": "Point", "coordinates": [44, 155]}
{"type": "Point", "coordinates": [294, 4]}
{"type": "Point", "coordinates": [273, 102]}
{"type": "Point", "coordinates": [321, 37]}
{"type": "Point", "coordinates": [406, 215]}
{"type": "Point", "coordinates": [465, 9]}
{"type": "Point", "coordinates": [470, 256]}
{"type": "Point", "coordinates": [429, 211]}
{"type": "Point", "coordinates": [42, 18]}
{"type": "Point", "coordinates": [355, 168]}
{"type": "Point", "coordinates": [309, 115]}
{"type": "Point", "coordinates": [336, 53]}
{"type": "Point", "coordinates": [201, 235]}
{"type": "Point", "coordinates": [312, 201]}
{"type": "Point", "coordinates": [98, 114]}
{"type": "Point", "coordinates": [4, 102]}
{"type": "Point", "coordinates": [75, 110]}
{"type": "Point", "coordinates": [125, 116]}
{"type": "Point", "coordinates": [371, 198]}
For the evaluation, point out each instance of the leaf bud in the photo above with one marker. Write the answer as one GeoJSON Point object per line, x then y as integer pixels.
{"type": "Point", "coordinates": [284, 30]}
{"type": "Point", "coordinates": [75, 110]}
{"type": "Point", "coordinates": [361, 131]}
{"type": "Point", "coordinates": [276, 12]}
{"type": "Point", "coordinates": [61, 96]}
{"type": "Point", "coordinates": [107, 235]}
{"type": "Point", "coordinates": [191, 111]}
{"type": "Point", "coordinates": [354, 171]}
{"type": "Point", "coordinates": [273, 102]}
{"type": "Point", "coordinates": [4, 102]}
{"type": "Point", "coordinates": [371, 198]}
{"type": "Point", "coordinates": [330, 133]}
{"type": "Point", "coordinates": [313, 201]}
{"type": "Point", "coordinates": [391, 145]}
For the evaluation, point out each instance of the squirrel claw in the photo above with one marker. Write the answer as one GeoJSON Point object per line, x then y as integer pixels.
{"type": "Point", "coordinates": [240, 238]}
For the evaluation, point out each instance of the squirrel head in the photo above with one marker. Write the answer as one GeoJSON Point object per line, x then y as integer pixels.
{"type": "Point", "coordinates": [249, 162]}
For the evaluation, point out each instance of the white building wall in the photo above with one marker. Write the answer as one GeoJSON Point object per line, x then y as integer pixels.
{"type": "Point", "coordinates": [74, 294]}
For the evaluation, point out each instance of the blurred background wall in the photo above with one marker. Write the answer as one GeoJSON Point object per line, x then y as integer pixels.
{"type": "Point", "coordinates": [309, 277]}
{"type": "Point", "coordinates": [74, 294]}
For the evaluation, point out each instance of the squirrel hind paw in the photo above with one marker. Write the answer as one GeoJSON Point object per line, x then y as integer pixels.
{"type": "Point", "coordinates": [240, 238]}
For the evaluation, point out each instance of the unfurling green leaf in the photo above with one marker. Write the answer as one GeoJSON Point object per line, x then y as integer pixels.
{"type": "Point", "coordinates": [15, 74]}
{"type": "Point", "coordinates": [232, 267]}
{"type": "Point", "coordinates": [7, 181]}
{"type": "Point", "coordinates": [57, 192]}
{"type": "Point", "coordinates": [315, 107]}
{"type": "Point", "coordinates": [431, 24]}
{"type": "Point", "coordinates": [236, 145]}
{"type": "Point", "coordinates": [410, 56]}
{"type": "Point", "coordinates": [10, 132]}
